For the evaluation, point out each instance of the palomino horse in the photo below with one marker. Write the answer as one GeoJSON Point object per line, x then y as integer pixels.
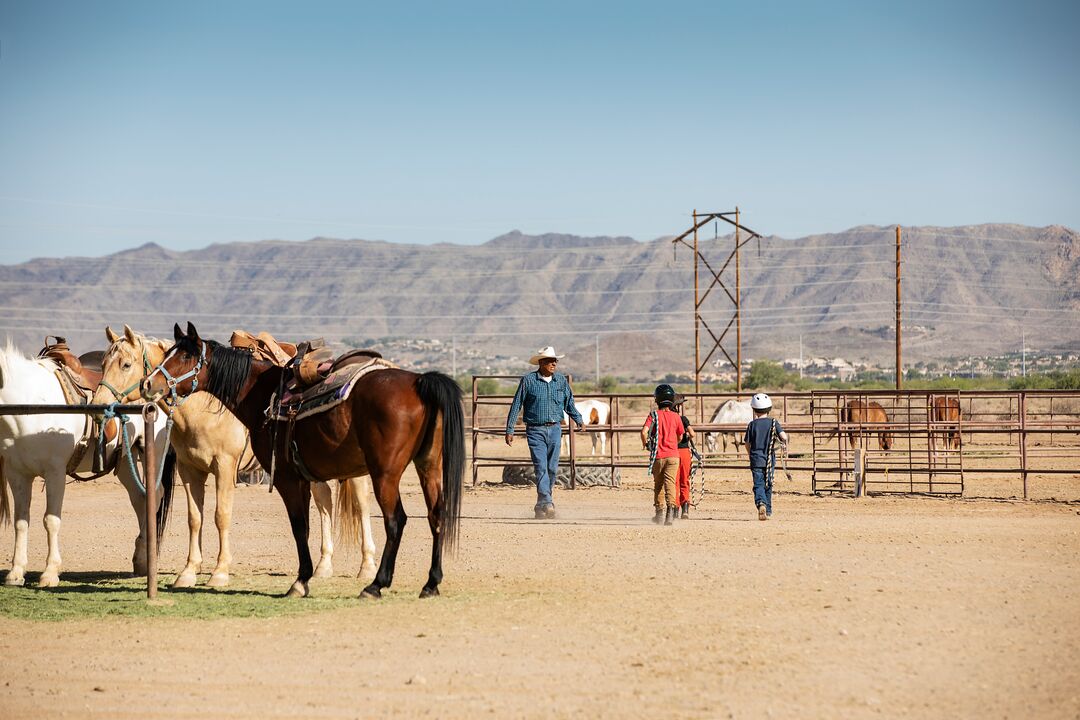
{"type": "Point", "coordinates": [392, 417]}
{"type": "Point", "coordinates": [209, 440]}
{"type": "Point", "coordinates": [731, 412]}
{"type": "Point", "coordinates": [40, 446]}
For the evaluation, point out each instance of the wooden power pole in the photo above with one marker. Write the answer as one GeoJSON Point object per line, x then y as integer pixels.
{"type": "Point", "coordinates": [899, 343]}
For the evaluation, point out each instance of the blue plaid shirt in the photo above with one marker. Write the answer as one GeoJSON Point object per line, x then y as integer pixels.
{"type": "Point", "coordinates": [544, 402]}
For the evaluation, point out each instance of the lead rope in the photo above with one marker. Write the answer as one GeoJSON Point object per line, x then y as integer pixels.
{"type": "Point", "coordinates": [125, 445]}
{"type": "Point", "coordinates": [698, 464]}
{"type": "Point", "coordinates": [651, 442]}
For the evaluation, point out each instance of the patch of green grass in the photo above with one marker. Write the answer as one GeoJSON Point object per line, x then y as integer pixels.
{"type": "Point", "coordinates": [97, 595]}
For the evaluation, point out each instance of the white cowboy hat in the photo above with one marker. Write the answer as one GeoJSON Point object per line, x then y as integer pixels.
{"type": "Point", "coordinates": [548, 352]}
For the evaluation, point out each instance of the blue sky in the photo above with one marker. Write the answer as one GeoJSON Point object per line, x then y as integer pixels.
{"type": "Point", "coordinates": [187, 124]}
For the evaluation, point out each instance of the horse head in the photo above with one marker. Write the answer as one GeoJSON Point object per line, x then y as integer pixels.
{"type": "Point", "coordinates": [184, 369]}
{"type": "Point", "coordinates": [127, 361]}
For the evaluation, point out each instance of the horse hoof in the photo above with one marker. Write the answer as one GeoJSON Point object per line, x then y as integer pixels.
{"type": "Point", "coordinates": [48, 581]}
{"type": "Point", "coordinates": [429, 592]}
{"type": "Point", "coordinates": [371, 593]}
{"type": "Point", "coordinates": [298, 589]}
{"type": "Point", "coordinates": [218, 580]}
{"type": "Point", "coordinates": [184, 580]}
{"type": "Point", "coordinates": [15, 580]}
{"type": "Point", "coordinates": [324, 571]}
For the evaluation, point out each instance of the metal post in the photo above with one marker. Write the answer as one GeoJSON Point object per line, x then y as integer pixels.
{"type": "Point", "coordinates": [899, 365]}
{"type": "Point", "coordinates": [150, 463]}
{"type": "Point", "coordinates": [738, 309]}
{"type": "Point", "coordinates": [570, 429]}
{"type": "Point", "coordinates": [475, 438]}
{"type": "Point", "coordinates": [859, 468]}
{"type": "Point", "coordinates": [697, 318]}
{"type": "Point", "coordinates": [1021, 404]}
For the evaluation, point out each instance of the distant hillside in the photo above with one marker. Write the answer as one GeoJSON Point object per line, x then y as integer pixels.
{"type": "Point", "coordinates": [966, 290]}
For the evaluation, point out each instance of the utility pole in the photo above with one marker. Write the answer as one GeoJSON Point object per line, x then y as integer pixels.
{"type": "Point", "coordinates": [453, 354]}
{"type": "Point", "coordinates": [899, 366]}
{"type": "Point", "coordinates": [1023, 353]}
{"type": "Point", "coordinates": [738, 310]}
{"type": "Point", "coordinates": [800, 357]}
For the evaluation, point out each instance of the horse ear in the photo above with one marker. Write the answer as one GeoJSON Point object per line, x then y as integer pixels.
{"type": "Point", "coordinates": [192, 332]}
{"type": "Point", "coordinates": [178, 334]}
{"type": "Point", "coordinates": [130, 335]}
{"type": "Point", "coordinates": [111, 336]}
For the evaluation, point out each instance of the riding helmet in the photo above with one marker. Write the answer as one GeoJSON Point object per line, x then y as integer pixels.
{"type": "Point", "coordinates": [761, 401]}
{"type": "Point", "coordinates": [664, 394]}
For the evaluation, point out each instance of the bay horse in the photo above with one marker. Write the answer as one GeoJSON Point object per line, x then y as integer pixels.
{"type": "Point", "coordinates": [946, 409]}
{"type": "Point", "coordinates": [41, 446]}
{"type": "Point", "coordinates": [208, 440]}
{"type": "Point", "coordinates": [864, 412]}
{"type": "Point", "coordinates": [392, 417]}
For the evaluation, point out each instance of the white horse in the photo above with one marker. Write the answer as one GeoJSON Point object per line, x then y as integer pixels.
{"type": "Point", "coordinates": [40, 446]}
{"type": "Point", "coordinates": [593, 412]}
{"type": "Point", "coordinates": [209, 440]}
{"type": "Point", "coordinates": [732, 412]}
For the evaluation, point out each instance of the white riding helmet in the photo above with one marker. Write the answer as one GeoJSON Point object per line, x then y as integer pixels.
{"type": "Point", "coordinates": [761, 401]}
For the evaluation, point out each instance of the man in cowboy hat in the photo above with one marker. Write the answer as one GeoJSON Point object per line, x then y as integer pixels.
{"type": "Point", "coordinates": [545, 395]}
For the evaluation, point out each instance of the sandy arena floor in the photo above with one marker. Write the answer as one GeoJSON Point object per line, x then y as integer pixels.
{"type": "Point", "coordinates": [892, 607]}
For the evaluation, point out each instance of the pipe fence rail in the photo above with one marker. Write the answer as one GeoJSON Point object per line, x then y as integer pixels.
{"type": "Point", "coordinates": [920, 448]}
{"type": "Point", "coordinates": [149, 414]}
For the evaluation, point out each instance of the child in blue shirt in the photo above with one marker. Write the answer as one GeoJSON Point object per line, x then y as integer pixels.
{"type": "Point", "coordinates": [760, 438]}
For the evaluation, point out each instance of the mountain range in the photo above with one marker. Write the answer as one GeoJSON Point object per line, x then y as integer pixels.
{"type": "Point", "coordinates": [969, 290]}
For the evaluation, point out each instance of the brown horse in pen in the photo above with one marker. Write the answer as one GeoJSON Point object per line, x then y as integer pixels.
{"type": "Point", "coordinates": [946, 408]}
{"type": "Point", "coordinates": [865, 412]}
{"type": "Point", "coordinates": [391, 418]}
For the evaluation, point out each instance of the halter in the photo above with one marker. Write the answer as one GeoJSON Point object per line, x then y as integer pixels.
{"type": "Point", "coordinates": [172, 382]}
{"type": "Point", "coordinates": [121, 394]}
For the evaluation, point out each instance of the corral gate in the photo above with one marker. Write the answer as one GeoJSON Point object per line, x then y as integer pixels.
{"type": "Point", "coordinates": [908, 447]}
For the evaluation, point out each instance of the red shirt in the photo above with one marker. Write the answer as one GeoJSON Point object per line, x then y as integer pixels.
{"type": "Point", "coordinates": [668, 431]}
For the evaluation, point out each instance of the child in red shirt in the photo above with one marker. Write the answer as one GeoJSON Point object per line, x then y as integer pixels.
{"type": "Point", "coordinates": [660, 436]}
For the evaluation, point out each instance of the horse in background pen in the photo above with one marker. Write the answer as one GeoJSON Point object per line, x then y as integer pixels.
{"type": "Point", "coordinates": [210, 440]}
{"type": "Point", "coordinates": [864, 414]}
{"type": "Point", "coordinates": [44, 446]}
{"type": "Point", "coordinates": [731, 412]}
{"type": "Point", "coordinates": [594, 413]}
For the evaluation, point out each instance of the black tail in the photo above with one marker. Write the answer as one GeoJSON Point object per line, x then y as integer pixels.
{"type": "Point", "coordinates": [168, 470]}
{"type": "Point", "coordinates": [440, 392]}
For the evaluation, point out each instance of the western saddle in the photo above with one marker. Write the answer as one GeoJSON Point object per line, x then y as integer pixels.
{"type": "Point", "coordinates": [83, 370]}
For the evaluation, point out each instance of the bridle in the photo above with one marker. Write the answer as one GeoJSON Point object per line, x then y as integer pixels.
{"type": "Point", "coordinates": [175, 399]}
{"type": "Point", "coordinates": [121, 395]}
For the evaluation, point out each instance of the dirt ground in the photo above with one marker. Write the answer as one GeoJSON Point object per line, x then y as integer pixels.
{"type": "Point", "coordinates": [894, 607]}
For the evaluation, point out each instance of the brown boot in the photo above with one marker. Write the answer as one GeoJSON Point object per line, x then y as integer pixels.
{"type": "Point", "coordinates": [761, 513]}
{"type": "Point", "coordinates": [685, 510]}
{"type": "Point", "coordinates": [659, 517]}
{"type": "Point", "coordinates": [669, 517]}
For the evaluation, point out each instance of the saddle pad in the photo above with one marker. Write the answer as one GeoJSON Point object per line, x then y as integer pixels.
{"type": "Point", "coordinates": [330, 393]}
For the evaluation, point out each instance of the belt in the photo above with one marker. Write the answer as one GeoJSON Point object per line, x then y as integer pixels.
{"type": "Point", "coordinates": [547, 424]}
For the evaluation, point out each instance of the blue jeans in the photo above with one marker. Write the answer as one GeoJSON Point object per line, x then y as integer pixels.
{"type": "Point", "coordinates": [544, 446]}
{"type": "Point", "coordinates": [762, 494]}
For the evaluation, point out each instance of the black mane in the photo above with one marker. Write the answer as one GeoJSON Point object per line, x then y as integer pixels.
{"type": "Point", "coordinates": [229, 370]}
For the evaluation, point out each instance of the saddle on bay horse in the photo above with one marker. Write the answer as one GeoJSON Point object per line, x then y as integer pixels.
{"type": "Point", "coordinates": [315, 382]}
